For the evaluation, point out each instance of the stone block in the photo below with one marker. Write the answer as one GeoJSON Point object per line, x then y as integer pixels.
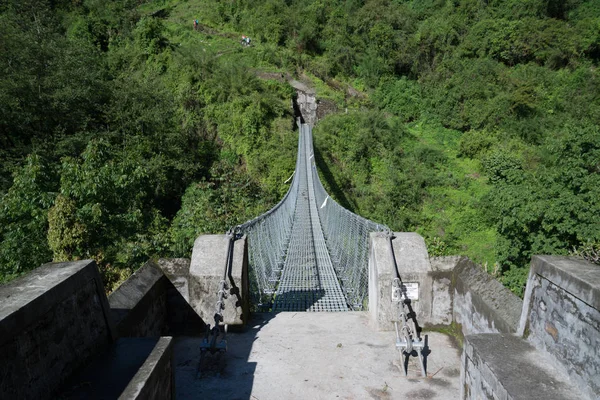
{"type": "Point", "coordinates": [413, 266]}
{"type": "Point", "coordinates": [154, 301]}
{"type": "Point", "coordinates": [139, 305]}
{"type": "Point", "coordinates": [206, 272]}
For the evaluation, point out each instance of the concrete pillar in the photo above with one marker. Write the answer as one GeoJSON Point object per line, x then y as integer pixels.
{"type": "Point", "coordinates": [206, 272]}
{"type": "Point", "coordinates": [414, 269]}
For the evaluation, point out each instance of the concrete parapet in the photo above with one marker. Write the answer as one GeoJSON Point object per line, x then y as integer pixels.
{"type": "Point", "coordinates": [414, 269]}
{"type": "Point", "coordinates": [465, 294]}
{"type": "Point", "coordinates": [481, 303]}
{"type": "Point", "coordinates": [52, 322]}
{"type": "Point", "coordinates": [133, 368]}
{"type": "Point", "coordinates": [155, 379]}
{"type": "Point", "coordinates": [206, 272]}
{"type": "Point", "coordinates": [139, 305]}
{"type": "Point", "coordinates": [443, 282]}
{"type": "Point", "coordinates": [154, 301]}
{"type": "Point", "coordinates": [561, 315]}
{"type": "Point", "coordinates": [503, 366]}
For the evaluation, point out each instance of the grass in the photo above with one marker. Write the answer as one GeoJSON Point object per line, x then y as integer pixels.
{"type": "Point", "coordinates": [452, 209]}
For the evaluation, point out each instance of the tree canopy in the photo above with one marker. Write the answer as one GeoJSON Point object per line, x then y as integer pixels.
{"type": "Point", "coordinates": [125, 133]}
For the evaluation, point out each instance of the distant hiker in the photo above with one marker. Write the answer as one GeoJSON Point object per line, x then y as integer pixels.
{"type": "Point", "coordinates": [245, 40]}
{"type": "Point", "coordinates": [195, 24]}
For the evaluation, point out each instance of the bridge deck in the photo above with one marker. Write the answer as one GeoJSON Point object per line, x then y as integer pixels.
{"type": "Point", "coordinates": [308, 280]}
{"type": "Point", "coordinates": [315, 356]}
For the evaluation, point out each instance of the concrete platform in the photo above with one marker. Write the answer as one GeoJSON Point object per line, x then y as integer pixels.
{"type": "Point", "coordinates": [315, 356]}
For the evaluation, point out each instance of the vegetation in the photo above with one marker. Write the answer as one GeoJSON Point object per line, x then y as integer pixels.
{"type": "Point", "coordinates": [127, 133]}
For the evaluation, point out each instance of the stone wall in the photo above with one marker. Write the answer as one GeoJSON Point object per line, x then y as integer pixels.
{"type": "Point", "coordinates": [52, 322]}
{"type": "Point", "coordinates": [154, 380]}
{"type": "Point", "coordinates": [561, 315]}
{"type": "Point", "coordinates": [139, 305]}
{"type": "Point", "coordinates": [57, 332]}
{"type": "Point", "coordinates": [503, 366]}
{"type": "Point", "coordinates": [555, 353]}
{"type": "Point", "coordinates": [154, 301]}
{"type": "Point", "coordinates": [465, 294]}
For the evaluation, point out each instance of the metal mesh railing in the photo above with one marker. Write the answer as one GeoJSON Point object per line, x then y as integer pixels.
{"type": "Point", "coordinates": [268, 237]}
{"type": "Point", "coordinates": [347, 236]}
{"type": "Point", "coordinates": [295, 234]}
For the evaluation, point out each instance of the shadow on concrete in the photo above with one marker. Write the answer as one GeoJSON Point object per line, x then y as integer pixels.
{"type": "Point", "coordinates": [230, 374]}
{"type": "Point", "coordinates": [425, 352]}
{"type": "Point", "coordinates": [227, 375]}
{"type": "Point", "coordinates": [181, 318]}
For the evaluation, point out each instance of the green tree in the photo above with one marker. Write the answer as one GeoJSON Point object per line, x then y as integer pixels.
{"type": "Point", "coordinates": [553, 209]}
{"type": "Point", "coordinates": [23, 219]}
{"type": "Point", "coordinates": [66, 235]}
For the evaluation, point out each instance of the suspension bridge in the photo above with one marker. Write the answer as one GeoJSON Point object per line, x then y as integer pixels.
{"type": "Point", "coordinates": [308, 253]}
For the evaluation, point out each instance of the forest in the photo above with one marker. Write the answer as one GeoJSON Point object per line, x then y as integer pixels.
{"type": "Point", "coordinates": [125, 132]}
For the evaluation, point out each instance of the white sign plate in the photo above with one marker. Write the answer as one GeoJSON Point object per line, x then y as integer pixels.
{"type": "Point", "coordinates": [410, 288]}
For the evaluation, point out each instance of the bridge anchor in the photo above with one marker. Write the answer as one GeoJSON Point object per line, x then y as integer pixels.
{"type": "Point", "coordinates": [408, 338]}
{"type": "Point", "coordinates": [409, 346]}
{"type": "Point", "coordinates": [215, 339]}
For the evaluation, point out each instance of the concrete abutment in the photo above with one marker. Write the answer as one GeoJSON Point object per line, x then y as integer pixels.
{"type": "Point", "coordinates": [59, 336]}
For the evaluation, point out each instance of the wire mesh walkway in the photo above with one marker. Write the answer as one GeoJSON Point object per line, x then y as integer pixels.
{"type": "Point", "coordinates": [308, 253]}
{"type": "Point", "coordinates": [308, 280]}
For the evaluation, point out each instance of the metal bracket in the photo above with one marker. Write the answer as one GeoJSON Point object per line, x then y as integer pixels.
{"type": "Point", "coordinates": [409, 345]}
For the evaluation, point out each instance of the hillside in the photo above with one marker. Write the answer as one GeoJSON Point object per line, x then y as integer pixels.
{"type": "Point", "coordinates": [125, 133]}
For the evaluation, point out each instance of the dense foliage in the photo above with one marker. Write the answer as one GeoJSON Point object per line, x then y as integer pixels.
{"type": "Point", "coordinates": [482, 133]}
{"type": "Point", "coordinates": [123, 140]}
{"type": "Point", "coordinates": [127, 133]}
